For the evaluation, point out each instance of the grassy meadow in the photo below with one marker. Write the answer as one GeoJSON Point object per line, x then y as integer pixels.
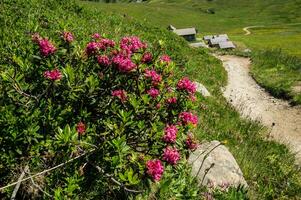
{"type": "Point", "coordinates": [279, 28]}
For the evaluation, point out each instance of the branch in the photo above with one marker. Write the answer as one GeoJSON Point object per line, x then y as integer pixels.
{"type": "Point", "coordinates": [37, 186]}
{"type": "Point", "coordinates": [13, 196]}
{"type": "Point", "coordinates": [114, 180]}
{"type": "Point", "coordinates": [47, 170]}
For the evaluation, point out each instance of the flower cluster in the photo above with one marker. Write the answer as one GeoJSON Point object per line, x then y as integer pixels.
{"type": "Point", "coordinates": [147, 57]}
{"type": "Point", "coordinates": [46, 47]}
{"type": "Point", "coordinates": [153, 92]}
{"type": "Point", "coordinates": [121, 94]}
{"type": "Point", "coordinates": [53, 75]}
{"type": "Point", "coordinates": [154, 76]}
{"type": "Point", "coordinates": [103, 60]}
{"type": "Point", "coordinates": [172, 100]}
{"type": "Point", "coordinates": [68, 37]}
{"type": "Point", "coordinates": [170, 133]}
{"type": "Point", "coordinates": [155, 169]}
{"type": "Point", "coordinates": [91, 48]}
{"type": "Point", "coordinates": [80, 128]}
{"type": "Point", "coordinates": [165, 59]}
{"type": "Point", "coordinates": [123, 63]}
{"type": "Point", "coordinates": [171, 155]}
{"type": "Point", "coordinates": [104, 43]}
{"type": "Point", "coordinates": [188, 118]}
{"type": "Point", "coordinates": [132, 44]}
{"type": "Point", "coordinates": [186, 84]}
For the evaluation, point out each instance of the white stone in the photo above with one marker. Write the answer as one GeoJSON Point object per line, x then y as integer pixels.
{"type": "Point", "coordinates": [202, 89]}
{"type": "Point", "coordinates": [214, 166]}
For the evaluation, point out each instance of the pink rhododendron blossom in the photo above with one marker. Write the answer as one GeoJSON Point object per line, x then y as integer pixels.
{"type": "Point", "coordinates": [91, 48]}
{"type": "Point", "coordinates": [46, 47]}
{"type": "Point", "coordinates": [96, 36]}
{"type": "Point", "coordinates": [158, 106]}
{"type": "Point", "coordinates": [132, 44]}
{"type": "Point", "coordinates": [103, 60]}
{"type": "Point", "coordinates": [188, 118]}
{"type": "Point", "coordinates": [171, 155]}
{"type": "Point", "coordinates": [103, 44]}
{"type": "Point", "coordinates": [191, 143]}
{"type": "Point", "coordinates": [170, 133]}
{"type": "Point", "coordinates": [147, 57]}
{"type": "Point", "coordinates": [154, 93]}
{"type": "Point", "coordinates": [154, 76]}
{"type": "Point", "coordinates": [155, 169]}
{"type": "Point", "coordinates": [81, 128]}
{"type": "Point", "coordinates": [172, 100]}
{"type": "Point", "coordinates": [68, 37]}
{"type": "Point", "coordinates": [186, 84]}
{"type": "Point", "coordinates": [121, 94]}
{"type": "Point", "coordinates": [165, 58]}
{"type": "Point", "coordinates": [123, 63]}
{"type": "Point", "coordinates": [53, 75]}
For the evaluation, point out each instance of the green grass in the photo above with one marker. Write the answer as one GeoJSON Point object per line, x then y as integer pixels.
{"type": "Point", "coordinates": [268, 167]}
{"type": "Point", "coordinates": [278, 73]}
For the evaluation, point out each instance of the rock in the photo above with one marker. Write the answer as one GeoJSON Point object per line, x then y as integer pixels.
{"type": "Point", "coordinates": [219, 164]}
{"type": "Point", "coordinates": [202, 89]}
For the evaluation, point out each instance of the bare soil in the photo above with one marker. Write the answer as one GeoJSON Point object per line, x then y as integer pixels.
{"type": "Point", "coordinates": [252, 101]}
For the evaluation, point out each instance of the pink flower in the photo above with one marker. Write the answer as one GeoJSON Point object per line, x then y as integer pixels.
{"type": "Point", "coordinates": [131, 44]}
{"type": "Point", "coordinates": [188, 118]}
{"type": "Point", "coordinates": [121, 94]}
{"type": "Point", "coordinates": [171, 155]}
{"type": "Point", "coordinates": [46, 47]}
{"type": "Point", "coordinates": [155, 77]}
{"type": "Point", "coordinates": [81, 128]}
{"type": "Point", "coordinates": [170, 133]}
{"type": "Point", "coordinates": [96, 36]}
{"type": "Point", "coordinates": [68, 37]}
{"type": "Point", "coordinates": [165, 58]}
{"type": "Point", "coordinates": [147, 57]}
{"type": "Point", "coordinates": [155, 169]}
{"type": "Point", "coordinates": [154, 93]}
{"type": "Point", "coordinates": [192, 98]}
{"type": "Point", "coordinates": [186, 84]}
{"type": "Point", "coordinates": [103, 44]}
{"type": "Point", "coordinates": [172, 100]}
{"type": "Point", "coordinates": [53, 75]}
{"type": "Point", "coordinates": [91, 48]}
{"type": "Point", "coordinates": [103, 60]}
{"type": "Point", "coordinates": [191, 143]}
{"type": "Point", "coordinates": [123, 63]}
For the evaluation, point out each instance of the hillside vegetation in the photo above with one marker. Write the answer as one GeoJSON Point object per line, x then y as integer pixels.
{"type": "Point", "coordinates": [278, 27]}
{"type": "Point", "coordinates": [25, 140]}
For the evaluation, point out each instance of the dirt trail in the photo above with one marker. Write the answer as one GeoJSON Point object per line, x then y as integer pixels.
{"type": "Point", "coordinates": [252, 101]}
{"type": "Point", "coordinates": [248, 32]}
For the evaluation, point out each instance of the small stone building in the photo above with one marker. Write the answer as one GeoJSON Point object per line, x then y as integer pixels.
{"type": "Point", "coordinates": [188, 33]}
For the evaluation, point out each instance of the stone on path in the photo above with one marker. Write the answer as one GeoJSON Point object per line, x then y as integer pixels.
{"type": "Point", "coordinates": [202, 89]}
{"type": "Point", "coordinates": [221, 167]}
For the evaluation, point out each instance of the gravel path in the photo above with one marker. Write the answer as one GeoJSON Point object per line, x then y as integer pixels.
{"type": "Point", "coordinates": [283, 120]}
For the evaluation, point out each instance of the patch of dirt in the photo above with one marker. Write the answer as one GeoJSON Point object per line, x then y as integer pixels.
{"type": "Point", "coordinates": [252, 101]}
{"type": "Point", "coordinates": [248, 32]}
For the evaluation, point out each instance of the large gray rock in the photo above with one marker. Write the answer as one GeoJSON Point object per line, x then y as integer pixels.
{"type": "Point", "coordinates": [214, 166]}
{"type": "Point", "coordinates": [202, 89]}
